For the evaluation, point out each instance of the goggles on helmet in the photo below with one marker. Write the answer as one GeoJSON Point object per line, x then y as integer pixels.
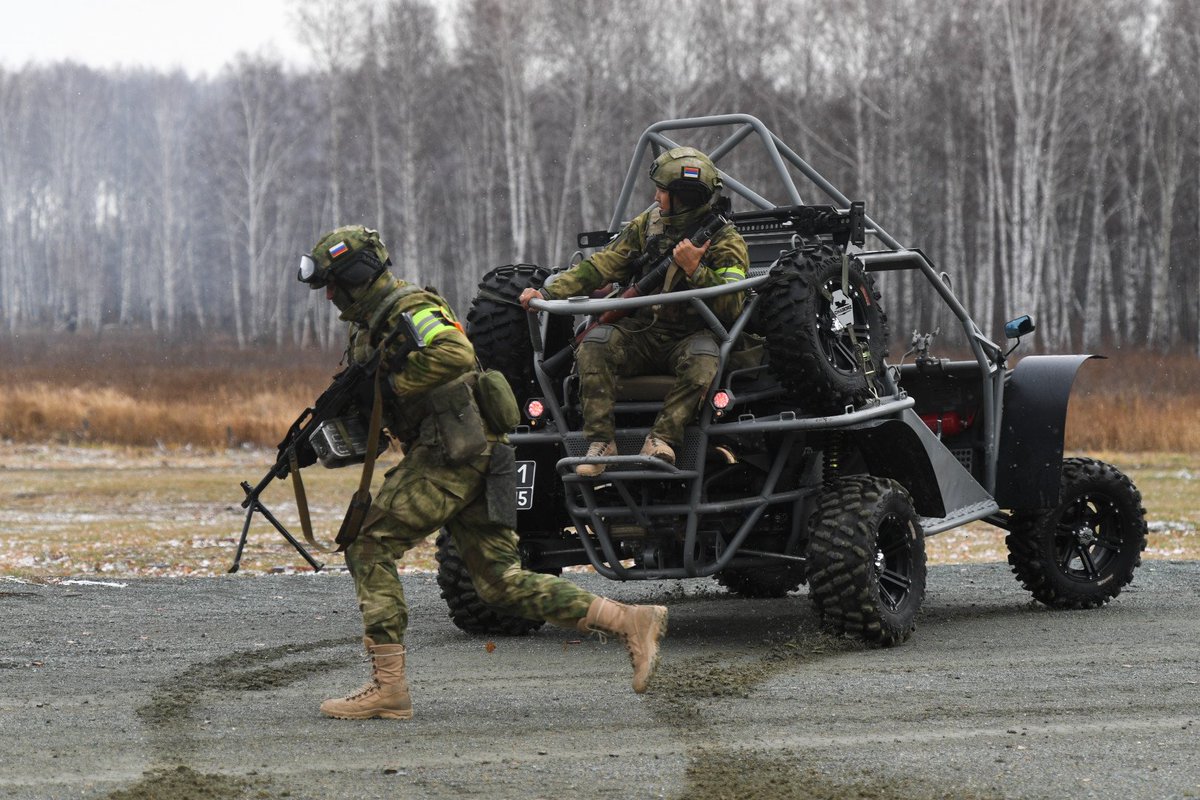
{"type": "Point", "coordinates": [354, 270]}
{"type": "Point", "coordinates": [311, 273]}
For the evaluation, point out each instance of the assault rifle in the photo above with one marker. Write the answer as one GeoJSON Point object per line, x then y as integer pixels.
{"type": "Point", "coordinates": [331, 431]}
{"type": "Point", "coordinates": [650, 282]}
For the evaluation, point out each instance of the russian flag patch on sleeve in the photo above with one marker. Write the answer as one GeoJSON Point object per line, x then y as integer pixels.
{"type": "Point", "coordinates": [338, 249]}
{"type": "Point", "coordinates": [691, 172]}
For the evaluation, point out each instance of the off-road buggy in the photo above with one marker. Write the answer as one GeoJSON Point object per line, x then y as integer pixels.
{"type": "Point", "coordinates": [815, 459]}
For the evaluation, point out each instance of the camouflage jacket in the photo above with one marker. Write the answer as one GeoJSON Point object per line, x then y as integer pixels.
{"type": "Point", "coordinates": [446, 356]}
{"type": "Point", "coordinates": [726, 260]}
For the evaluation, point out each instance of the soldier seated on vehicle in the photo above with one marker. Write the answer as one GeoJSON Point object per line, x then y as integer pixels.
{"type": "Point", "coordinates": [668, 338]}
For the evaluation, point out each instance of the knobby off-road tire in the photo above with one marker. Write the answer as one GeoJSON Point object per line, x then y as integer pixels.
{"type": "Point", "coordinates": [810, 353]}
{"type": "Point", "coordinates": [1082, 552]}
{"type": "Point", "coordinates": [467, 611]}
{"type": "Point", "coordinates": [762, 582]}
{"type": "Point", "coordinates": [866, 560]}
{"type": "Point", "coordinates": [499, 328]}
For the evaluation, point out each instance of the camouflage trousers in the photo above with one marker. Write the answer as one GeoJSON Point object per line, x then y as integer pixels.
{"type": "Point", "coordinates": [630, 348]}
{"type": "Point", "coordinates": [421, 495]}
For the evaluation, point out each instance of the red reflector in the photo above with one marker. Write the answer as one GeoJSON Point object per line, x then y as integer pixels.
{"type": "Point", "coordinates": [720, 401]}
{"type": "Point", "coordinates": [534, 409]}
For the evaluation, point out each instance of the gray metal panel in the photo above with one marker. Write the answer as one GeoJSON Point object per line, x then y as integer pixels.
{"type": "Point", "coordinates": [1029, 465]}
{"type": "Point", "coordinates": [940, 485]}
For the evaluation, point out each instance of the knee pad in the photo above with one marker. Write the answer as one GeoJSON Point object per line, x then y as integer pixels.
{"type": "Point", "coordinates": [703, 346]}
{"type": "Point", "coordinates": [601, 334]}
{"type": "Point", "coordinates": [594, 354]}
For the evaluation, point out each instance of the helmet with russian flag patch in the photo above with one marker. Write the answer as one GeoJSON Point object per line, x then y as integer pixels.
{"type": "Point", "coordinates": [687, 174]}
{"type": "Point", "coordinates": [351, 255]}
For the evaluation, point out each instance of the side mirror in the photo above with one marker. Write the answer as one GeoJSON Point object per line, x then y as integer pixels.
{"type": "Point", "coordinates": [1016, 328]}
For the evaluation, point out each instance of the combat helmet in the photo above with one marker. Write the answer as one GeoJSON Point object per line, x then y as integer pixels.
{"type": "Point", "coordinates": [351, 255]}
{"type": "Point", "coordinates": [688, 175]}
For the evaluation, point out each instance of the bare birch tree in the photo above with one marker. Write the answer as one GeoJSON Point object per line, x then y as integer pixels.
{"type": "Point", "coordinates": [1044, 157]}
{"type": "Point", "coordinates": [16, 305]}
{"type": "Point", "coordinates": [253, 162]}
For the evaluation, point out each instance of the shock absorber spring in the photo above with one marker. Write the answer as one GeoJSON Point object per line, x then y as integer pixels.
{"type": "Point", "coordinates": [831, 464]}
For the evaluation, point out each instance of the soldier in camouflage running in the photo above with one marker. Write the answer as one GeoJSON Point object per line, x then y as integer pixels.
{"type": "Point", "coordinates": [447, 478]}
{"type": "Point", "coordinates": [668, 338]}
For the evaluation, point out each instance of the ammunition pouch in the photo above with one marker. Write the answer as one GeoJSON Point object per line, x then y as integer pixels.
{"type": "Point", "coordinates": [454, 425]}
{"type": "Point", "coordinates": [497, 402]}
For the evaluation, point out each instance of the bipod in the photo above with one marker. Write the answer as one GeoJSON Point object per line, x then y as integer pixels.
{"type": "Point", "coordinates": [253, 504]}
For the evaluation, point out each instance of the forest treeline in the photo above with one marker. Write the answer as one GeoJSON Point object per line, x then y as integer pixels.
{"type": "Point", "coordinates": [1044, 153]}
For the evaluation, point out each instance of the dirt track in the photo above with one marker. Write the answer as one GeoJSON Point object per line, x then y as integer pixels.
{"type": "Point", "coordinates": [207, 688]}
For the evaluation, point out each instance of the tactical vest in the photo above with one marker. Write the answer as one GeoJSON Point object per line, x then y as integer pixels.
{"type": "Point", "coordinates": [680, 316]}
{"type": "Point", "coordinates": [657, 242]}
{"type": "Point", "coordinates": [403, 416]}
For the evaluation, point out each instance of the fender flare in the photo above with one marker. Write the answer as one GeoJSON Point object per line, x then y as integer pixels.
{"type": "Point", "coordinates": [1030, 452]}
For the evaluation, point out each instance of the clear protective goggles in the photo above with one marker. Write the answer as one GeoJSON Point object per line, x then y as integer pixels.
{"type": "Point", "coordinates": [311, 274]}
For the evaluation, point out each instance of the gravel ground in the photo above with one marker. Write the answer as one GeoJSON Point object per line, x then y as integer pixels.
{"type": "Point", "coordinates": [208, 688]}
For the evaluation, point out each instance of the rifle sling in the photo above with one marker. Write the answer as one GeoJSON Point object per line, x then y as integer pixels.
{"type": "Point", "coordinates": [302, 501]}
{"type": "Point", "coordinates": [360, 503]}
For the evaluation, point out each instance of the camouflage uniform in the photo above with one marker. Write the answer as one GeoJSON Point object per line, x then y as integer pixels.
{"type": "Point", "coordinates": [457, 472]}
{"type": "Point", "coordinates": [666, 339]}
{"type": "Point", "coordinates": [436, 484]}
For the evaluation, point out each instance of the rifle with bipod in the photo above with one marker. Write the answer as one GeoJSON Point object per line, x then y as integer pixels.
{"type": "Point", "coordinates": [331, 431]}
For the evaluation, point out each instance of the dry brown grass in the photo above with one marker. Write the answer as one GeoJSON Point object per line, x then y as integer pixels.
{"type": "Point", "coordinates": [83, 495]}
{"type": "Point", "coordinates": [1137, 402]}
{"type": "Point", "coordinates": [133, 390]}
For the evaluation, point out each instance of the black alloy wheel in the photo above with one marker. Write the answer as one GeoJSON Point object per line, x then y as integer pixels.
{"type": "Point", "coordinates": [866, 560]}
{"type": "Point", "coordinates": [1082, 552]}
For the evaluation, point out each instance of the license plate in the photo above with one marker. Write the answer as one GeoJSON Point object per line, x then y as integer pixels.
{"type": "Point", "coordinates": [525, 474]}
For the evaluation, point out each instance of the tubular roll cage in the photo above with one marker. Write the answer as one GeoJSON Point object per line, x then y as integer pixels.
{"type": "Point", "coordinates": [583, 508]}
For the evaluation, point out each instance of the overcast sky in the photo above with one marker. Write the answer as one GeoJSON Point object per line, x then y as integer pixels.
{"type": "Point", "coordinates": [198, 35]}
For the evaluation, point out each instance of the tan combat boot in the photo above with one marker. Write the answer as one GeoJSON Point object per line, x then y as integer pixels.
{"type": "Point", "coordinates": [596, 450]}
{"type": "Point", "coordinates": [657, 448]}
{"type": "Point", "coordinates": [385, 696]}
{"type": "Point", "coordinates": [639, 627]}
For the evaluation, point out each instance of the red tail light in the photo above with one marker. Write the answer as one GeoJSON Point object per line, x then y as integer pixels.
{"type": "Point", "coordinates": [721, 401]}
{"type": "Point", "coordinates": [948, 423]}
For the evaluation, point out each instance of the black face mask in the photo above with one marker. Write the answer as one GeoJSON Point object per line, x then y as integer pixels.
{"type": "Point", "coordinates": [344, 297]}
